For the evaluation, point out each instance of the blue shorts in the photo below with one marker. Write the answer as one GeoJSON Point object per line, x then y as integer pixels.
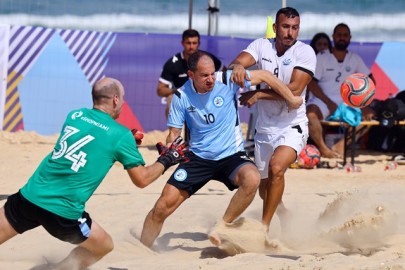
{"type": "Point", "coordinates": [24, 215]}
{"type": "Point", "coordinates": [193, 175]}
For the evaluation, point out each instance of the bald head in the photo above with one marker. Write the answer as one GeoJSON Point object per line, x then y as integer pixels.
{"type": "Point", "coordinates": [108, 96]}
{"type": "Point", "coordinates": [201, 71]}
{"type": "Point", "coordinates": [105, 89]}
{"type": "Point", "coordinates": [195, 59]}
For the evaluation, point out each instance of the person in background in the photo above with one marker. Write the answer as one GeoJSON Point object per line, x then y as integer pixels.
{"type": "Point", "coordinates": [54, 197]}
{"type": "Point", "coordinates": [281, 134]}
{"type": "Point", "coordinates": [174, 72]}
{"type": "Point", "coordinates": [320, 42]}
{"type": "Point", "coordinates": [208, 103]}
{"type": "Point", "coordinates": [331, 69]}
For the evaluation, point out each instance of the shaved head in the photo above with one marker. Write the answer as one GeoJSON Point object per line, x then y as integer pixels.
{"type": "Point", "coordinates": [104, 89]}
{"type": "Point", "coordinates": [108, 96]}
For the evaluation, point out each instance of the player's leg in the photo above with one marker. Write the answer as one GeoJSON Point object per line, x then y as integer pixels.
{"type": "Point", "coordinates": [247, 179]}
{"type": "Point", "coordinates": [315, 114]}
{"type": "Point", "coordinates": [16, 217]}
{"type": "Point", "coordinates": [170, 199]}
{"type": "Point", "coordinates": [274, 188]}
{"type": "Point", "coordinates": [98, 244]}
{"type": "Point", "coordinates": [287, 143]}
{"type": "Point", "coordinates": [263, 152]}
{"type": "Point", "coordinates": [6, 230]}
{"type": "Point", "coordinates": [187, 179]}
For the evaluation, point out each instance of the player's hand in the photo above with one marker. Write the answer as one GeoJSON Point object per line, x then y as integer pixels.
{"type": "Point", "coordinates": [248, 98]}
{"type": "Point", "coordinates": [173, 154]}
{"type": "Point", "coordinates": [332, 107]}
{"type": "Point", "coordinates": [137, 135]}
{"type": "Point", "coordinates": [294, 103]}
{"type": "Point", "coordinates": [239, 75]}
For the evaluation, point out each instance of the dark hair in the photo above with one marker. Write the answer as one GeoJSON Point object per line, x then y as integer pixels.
{"type": "Point", "coordinates": [341, 25]}
{"type": "Point", "coordinates": [190, 33]}
{"type": "Point", "coordinates": [289, 12]}
{"type": "Point", "coordinates": [195, 57]}
{"type": "Point", "coordinates": [317, 37]}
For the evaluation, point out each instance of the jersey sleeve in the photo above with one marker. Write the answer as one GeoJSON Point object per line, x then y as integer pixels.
{"type": "Point", "coordinates": [176, 117]}
{"type": "Point", "coordinates": [127, 152]}
{"type": "Point", "coordinates": [225, 78]}
{"type": "Point", "coordinates": [254, 48]}
{"type": "Point", "coordinates": [306, 59]}
{"type": "Point", "coordinates": [166, 76]}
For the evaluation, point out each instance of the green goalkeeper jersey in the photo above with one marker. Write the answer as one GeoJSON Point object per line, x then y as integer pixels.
{"type": "Point", "coordinates": [89, 144]}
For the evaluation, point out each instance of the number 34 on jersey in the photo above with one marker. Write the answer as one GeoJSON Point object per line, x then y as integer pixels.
{"type": "Point", "coordinates": [72, 152]}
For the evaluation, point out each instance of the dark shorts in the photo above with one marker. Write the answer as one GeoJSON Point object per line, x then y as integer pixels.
{"type": "Point", "coordinates": [193, 175]}
{"type": "Point", "coordinates": [24, 215]}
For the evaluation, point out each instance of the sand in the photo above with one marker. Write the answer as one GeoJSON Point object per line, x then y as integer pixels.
{"type": "Point", "coordinates": [336, 220]}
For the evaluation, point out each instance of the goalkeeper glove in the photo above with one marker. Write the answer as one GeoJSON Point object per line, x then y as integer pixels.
{"type": "Point", "coordinates": [173, 154]}
{"type": "Point", "coordinates": [137, 135]}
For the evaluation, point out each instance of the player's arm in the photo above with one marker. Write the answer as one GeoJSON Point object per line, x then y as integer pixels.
{"type": "Point", "coordinates": [238, 65]}
{"type": "Point", "coordinates": [173, 134]}
{"type": "Point", "coordinates": [142, 176]}
{"type": "Point", "coordinates": [317, 91]}
{"type": "Point", "coordinates": [163, 90]}
{"type": "Point", "coordinates": [299, 80]}
{"type": "Point", "coordinates": [282, 91]}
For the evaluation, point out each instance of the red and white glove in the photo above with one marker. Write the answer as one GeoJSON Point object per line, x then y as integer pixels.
{"type": "Point", "coordinates": [137, 135]}
{"type": "Point", "coordinates": [173, 154]}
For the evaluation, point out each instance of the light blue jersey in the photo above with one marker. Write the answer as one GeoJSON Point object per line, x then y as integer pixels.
{"type": "Point", "coordinates": [213, 118]}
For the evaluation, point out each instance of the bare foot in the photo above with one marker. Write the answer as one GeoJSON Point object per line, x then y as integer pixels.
{"type": "Point", "coordinates": [215, 239]}
{"type": "Point", "coordinates": [213, 233]}
{"type": "Point", "coordinates": [328, 153]}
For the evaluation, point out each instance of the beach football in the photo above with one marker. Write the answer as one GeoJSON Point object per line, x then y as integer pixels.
{"type": "Point", "coordinates": [309, 157]}
{"type": "Point", "coordinates": [357, 90]}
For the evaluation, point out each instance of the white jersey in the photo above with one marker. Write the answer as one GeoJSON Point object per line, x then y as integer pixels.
{"type": "Point", "coordinates": [274, 113]}
{"type": "Point", "coordinates": [330, 73]}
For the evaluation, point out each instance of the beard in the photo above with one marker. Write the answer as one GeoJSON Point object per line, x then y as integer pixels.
{"type": "Point", "coordinates": [341, 46]}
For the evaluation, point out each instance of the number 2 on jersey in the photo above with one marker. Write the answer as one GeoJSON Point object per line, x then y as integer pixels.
{"type": "Point", "coordinates": [70, 152]}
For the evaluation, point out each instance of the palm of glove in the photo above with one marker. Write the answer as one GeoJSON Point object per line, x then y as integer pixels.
{"type": "Point", "coordinates": [173, 154]}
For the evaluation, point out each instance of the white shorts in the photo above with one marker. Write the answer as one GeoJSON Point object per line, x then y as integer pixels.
{"type": "Point", "coordinates": [321, 105]}
{"type": "Point", "coordinates": [266, 144]}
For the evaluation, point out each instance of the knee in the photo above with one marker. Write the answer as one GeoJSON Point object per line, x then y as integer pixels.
{"type": "Point", "coordinates": [109, 245]}
{"type": "Point", "coordinates": [105, 247]}
{"type": "Point", "coordinates": [277, 173]}
{"type": "Point", "coordinates": [161, 210]}
{"type": "Point", "coordinates": [313, 113]}
{"type": "Point", "coordinates": [250, 180]}
{"type": "Point", "coordinates": [312, 116]}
